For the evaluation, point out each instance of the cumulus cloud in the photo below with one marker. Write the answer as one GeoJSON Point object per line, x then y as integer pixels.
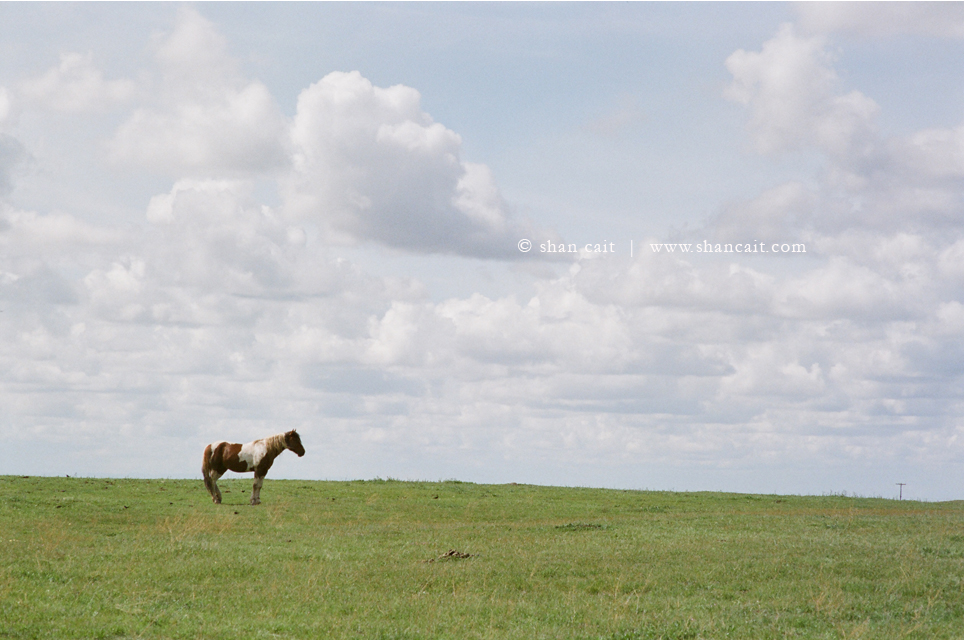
{"type": "Point", "coordinates": [76, 85]}
{"type": "Point", "coordinates": [794, 99]}
{"type": "Point", "coordinates": [863, 316]}
{"type": "Point", "coordinates": [370, 164]}
{"type": "Point", "coordinates": [208, 121]}
{"type": "Point", "coordinates": [843, 350]}
{"type": "Point", "coordinates": [359, 162]}
{"type": "Point", "coordinates": [204, 307]}
{"type": "Point", "coordinates": [213, 234]}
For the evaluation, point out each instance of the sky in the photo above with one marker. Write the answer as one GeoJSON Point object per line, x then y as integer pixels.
{"type": "Point", "coordinates": [673, 246]}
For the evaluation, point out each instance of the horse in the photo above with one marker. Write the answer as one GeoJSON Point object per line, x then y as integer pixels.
{"type": "Point", "coordinates": [257, 456]}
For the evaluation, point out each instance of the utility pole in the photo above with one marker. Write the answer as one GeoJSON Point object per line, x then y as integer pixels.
{"type": "Point", "coordinates": [901, 484]}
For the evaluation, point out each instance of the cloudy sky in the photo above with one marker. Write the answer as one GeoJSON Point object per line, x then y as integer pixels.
{"type": "Point", "coordinates": [222, 221]}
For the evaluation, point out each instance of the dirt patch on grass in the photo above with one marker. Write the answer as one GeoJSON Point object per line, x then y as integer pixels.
{"type": "Point", "coordinates": [580, 526]}
{"type": "Point", "coordinates": [451, 554]}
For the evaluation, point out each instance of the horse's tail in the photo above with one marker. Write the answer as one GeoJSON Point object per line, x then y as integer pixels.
{"type": "Point", "coordinates": [206, 469]}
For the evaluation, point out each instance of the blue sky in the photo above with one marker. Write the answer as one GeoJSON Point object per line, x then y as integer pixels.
{"type": "Point", "coordinates": [220, 221]}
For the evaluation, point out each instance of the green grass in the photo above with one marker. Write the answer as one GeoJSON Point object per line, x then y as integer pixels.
{"type": "Point", "coordinates": [95, 558]}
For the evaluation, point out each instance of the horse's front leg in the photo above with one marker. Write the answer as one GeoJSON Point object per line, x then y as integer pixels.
{"type": "Point", "coordinates": [256, 491]}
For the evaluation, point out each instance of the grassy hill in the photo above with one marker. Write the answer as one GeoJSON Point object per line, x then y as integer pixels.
{"type": "Point", "coordinates": [102, 558]}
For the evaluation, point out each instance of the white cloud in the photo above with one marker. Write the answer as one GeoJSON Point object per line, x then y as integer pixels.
{"type": "Point", "coordinates": [793, 94]}
{"type": "Point", "coordinates": [12, 152]}
{"type": "Point", "coordinates": [870, 183]}
{"type": "Point", "coordinates": [12, 155]}
{"type": "Point", "coordinates": [777, 214]}
{"type": "Point", "coordinates": [369, 164]}
{"type": "Point", "coordinates": [26, 233]}
{"type": "Point", "coordinates": [880, 19]}
{"type": "Point", "coordinates": [212, 235]}
{"type": "Point", "coordinates": [937, 153]}
{"type": "Point", "coordinates": [76, 85]}
{"type": "Point", "coordinates": [360, 162]}
{"type": "Point", "coordinates": [6, 107]}
{"type": "Point", "coordinates": [240, 132]}
{"type": "Point", "coordinates": [213, 320]}
{"type": "Point", "coordinates": [194, 56]}
{"type": "Point", "coordinates": [843, 289]}
{"type": "Point", "coordinates": [951, 262]}
{"type": "Point", "coordinates": [207, 120]}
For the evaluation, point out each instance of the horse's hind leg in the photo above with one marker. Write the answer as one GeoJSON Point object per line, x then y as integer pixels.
{"type": "Point", "coordinates": [211, 482]}
{"type": "Point", "coordinates": [210, 475]}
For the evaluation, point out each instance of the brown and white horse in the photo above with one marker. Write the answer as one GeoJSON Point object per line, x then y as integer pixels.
{"type": "Point", "coordinates": [257, 456]}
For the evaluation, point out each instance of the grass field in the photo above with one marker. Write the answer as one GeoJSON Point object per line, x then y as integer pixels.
{"type": "Point", "coordinates": [96, 558]}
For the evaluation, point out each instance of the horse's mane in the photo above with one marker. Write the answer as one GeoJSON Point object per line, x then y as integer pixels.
{"type": "Point", "coordinates": [275, 444]}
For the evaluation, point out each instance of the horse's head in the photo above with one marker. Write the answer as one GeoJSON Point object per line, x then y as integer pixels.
{"type": "Point", "coordinates": [293, 442]}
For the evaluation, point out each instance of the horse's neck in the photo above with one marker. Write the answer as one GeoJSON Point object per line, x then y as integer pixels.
{"type": "Point", "coordinates": [275, 445]}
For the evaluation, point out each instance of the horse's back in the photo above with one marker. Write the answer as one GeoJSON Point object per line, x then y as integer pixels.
{"type": "Point", "coordinates": [222, 456]}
